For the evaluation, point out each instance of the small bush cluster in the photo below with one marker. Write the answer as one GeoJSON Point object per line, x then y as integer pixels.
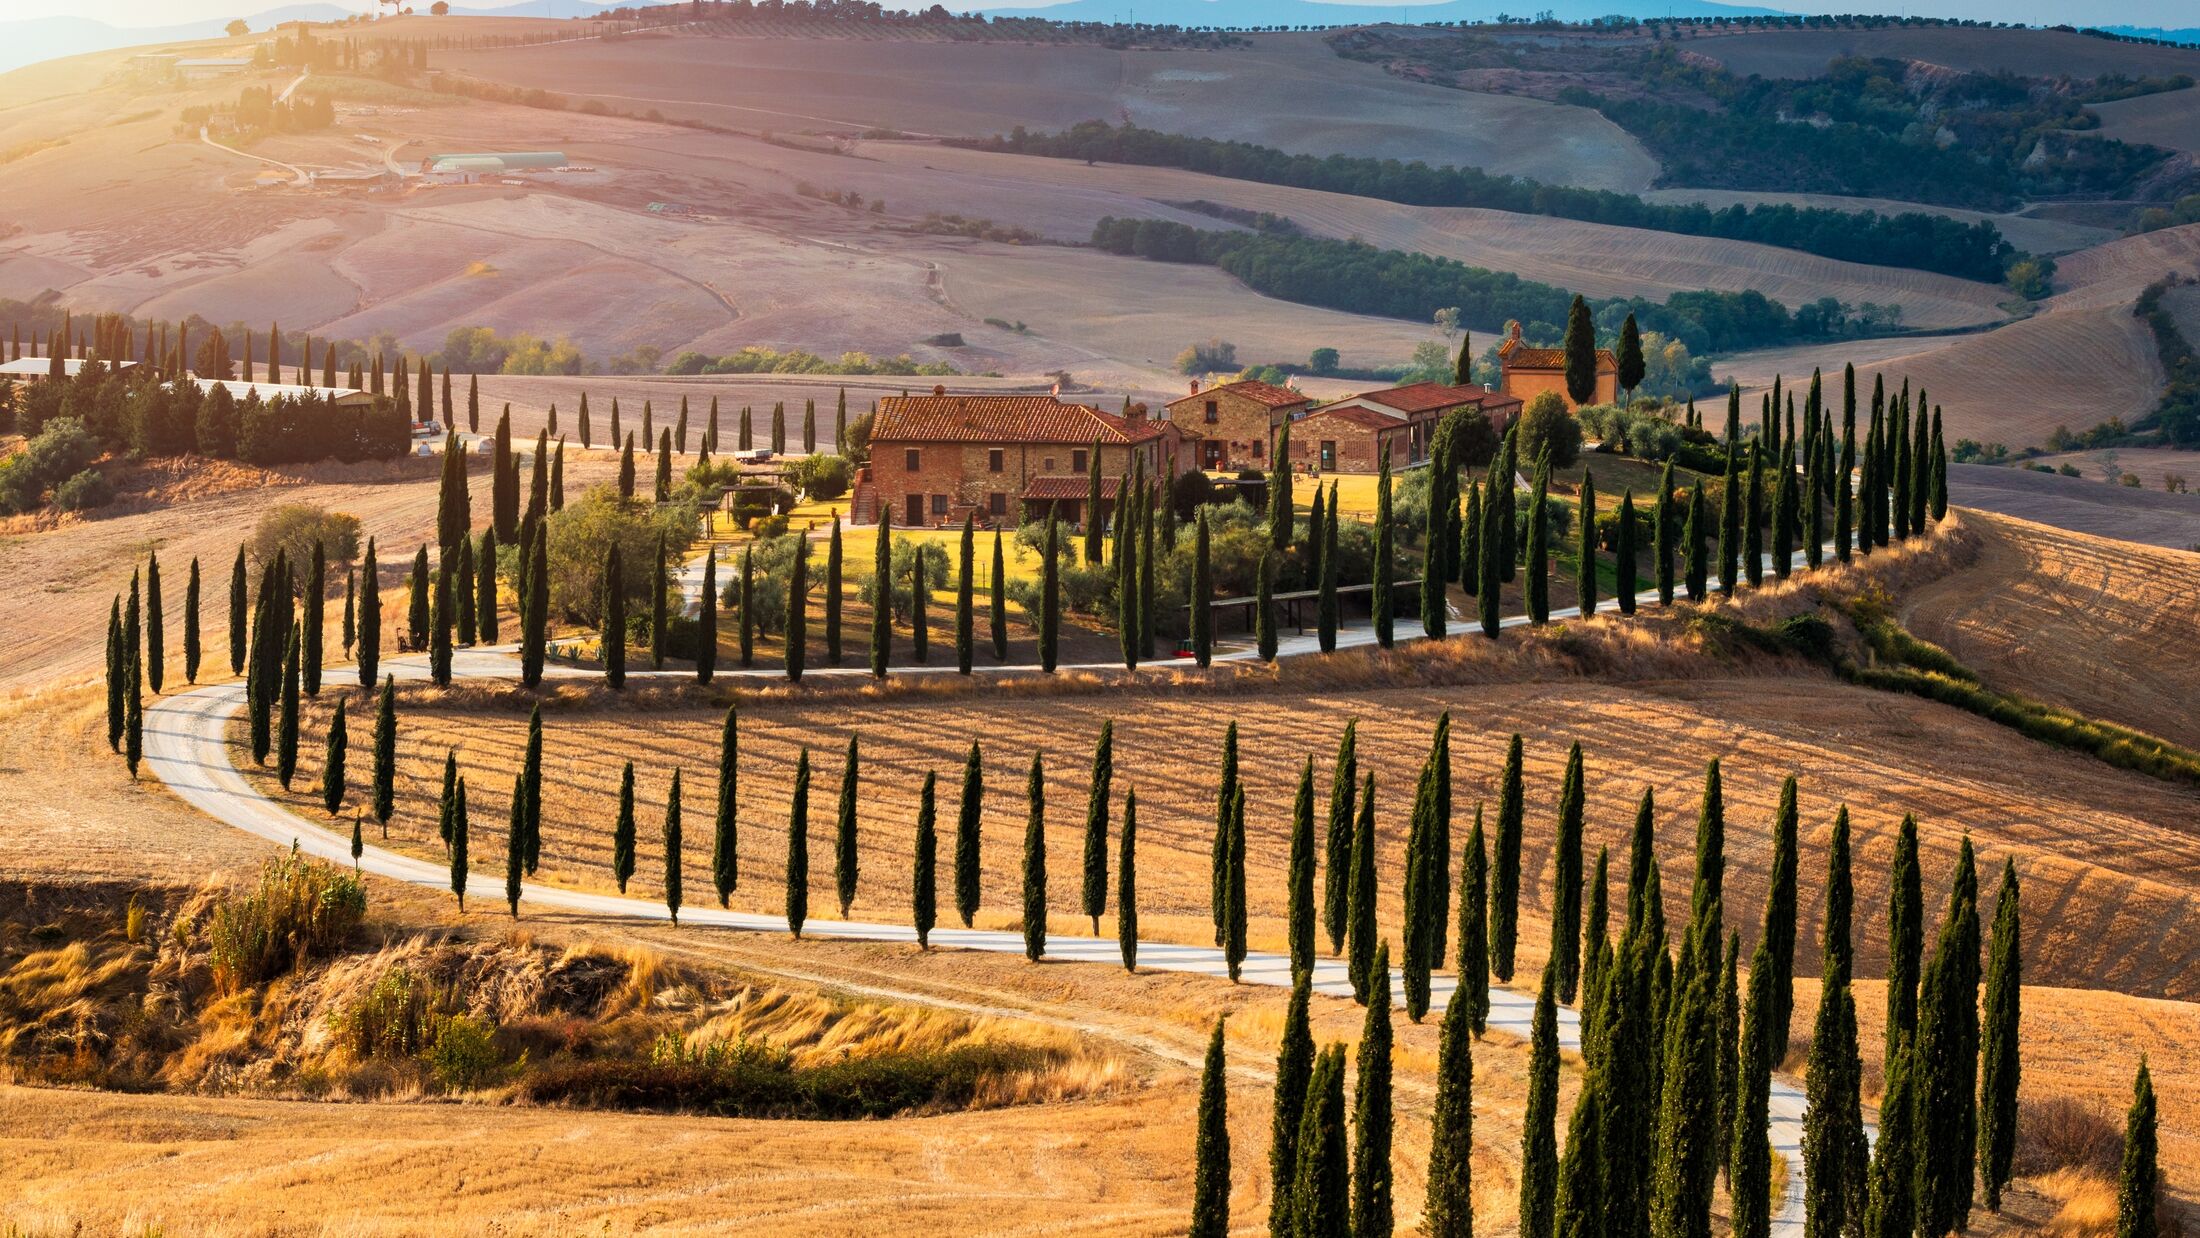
{"type": "Point", "coordinates": [299, 909]}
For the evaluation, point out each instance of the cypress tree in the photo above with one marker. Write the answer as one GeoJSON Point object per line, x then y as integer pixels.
{"type": "Point", "coordinates": [240, 608]}
{"type": "Point", "coordinates": [1337, 840]}
{"type": "Point", "coordinates": [531, 779]}
{"type": "Point", "coordinates": [1093, 527]}
{"type": "Point", "coordinates": [1937, 484]}
{"type": "Point", "coordinates": [1264, 608]}
{"type": "Point", "coordinates": [1294, 1070]}
{"type": "Point", "coordinates": [385, 754]}
{"type": "Point", "coordinates": [286, 733]}
{"type": "Point", "coordinates": [1126, 883]}
{"type": "Point", "coordinates": [1905, 938]}
{"type": "Point", "coordinates": [1386, 567]}
{"type": "Point", "coordinates": [447, 811]}
{"type": "Point", "coordinates": [133, 720]}
{"type": "Point", "coordinates": [116, 666]}
{"type": "Point", "coordinates": [515, 847]}
{"type": "Point", "coordinates": [1371, 1111]}
{"type": "Point", "coordinates": [1449, 1207]}
{"type": "Point", "coordinates": [1326, 622]}
{"type": "Point", "coordinates": [1730, 523]}
{"type": "Point", "coordinates": [504, 482]}
{"type": "Point", "coordinates": [458, 845]}
{"type": "Point", "coordinates": [1473, 966]}
{"type": "Point", "coordinates": [1830, 1132]}
{"type": "Point", "coordinates": [1729, 1013]}
{"type": "Point", "coordinates": [1470, 542]}
{"type": "Point", "coordinates": [1203, 624]}
{"type": "Point", "coordinates": [965, 614]}
{"type": "Point", "coordinates": [1538, 1129]}
{"type": "Point", "coordinates": [1709, 889]}
{"type": "Point", "coordinates": [797, 638]}
{"type": "Point", "coordinates": [535, 617]}
{"type": "Point", "coordinates": [923, 877]}
{"type": "Point", "coordinates": [1566, 876]}
{"type": "Point", "coordinates": [1753, 532]}
{"type": "Point", "coordinates": [351, 611]}
{"type": "Point", "coordinates": [1233, 913]}
{"type": "Point", "coordinates": [1749, 1177]}
{"type": "Point", "coordinates": [1891, 1209]}
{"type": "Point", "coordinates": [1280, 505]}
{"type": "Point", "coordinates": [626, 467]}
{"type": "Point", "coordinates": [833, 594]}
{"type": "Point", "coordinates": [622, 830]}
{"type": "Point", "coordinates": [1596, 938]}
{"type": "Point", "coordinates": [1699, 567]}
{"type": "Point", "coordinates": [440, 625]}
{"type": "Point", "coordinates": [672, 848]}
{"type": "Point", "coordinates": [462, 590]}
{"type": "Point", "coordinates": [706, 637]}
{"type": "Point", "coordinates": [613, 637]}
{"type": "Point", "coordinates": [1667, 533]}
{"type": "Point", "coordinates": [1300, 879]}
{"type": "Point", "coordinates": [1495, 568]}
{"type": "Point", "coordinates": [1778, 932]}
{"type": "Point", "coordinates": [844, 833]}
{"type": "Point", "coordinates": [1624, 586]}
{"type": "Point", "coordinates": [1211, 1181]}
{"type": "Point", "coordinates": [1585, 564]}
{"type": "Point", "coordinates": [417, 614]}
{"type": "Point", "coordinates": [1688, 1153]}
{"type": "Point", "coordinates": [725, 855]}
{"type": "Point", "coordinates": [798, 848]}
{"type": "Point", "coordinates": [1581, 384]}
{"type": "Point", "coordinates": [920, 592]}
{"type": "Point", "coordinates": [967, 821]}
{"type": "Point", "coordinates": [664, 465]}
{"type": "Point", "coordinates": [998, 608]}
{"type": "Point", "coordinates": [1035, 862]}
{"type": "Point", "coordinates": [485, 593]}
{"type": "Point", "coordinates": [1147, 615]}
{"type": "Point", "coordinates": [1947, 1061]}
{"type": "Point", "coordinates": [1094, 899]}
{"type": "Point", "coordinates": [1321, 1190]}
{"type": "Point", "coordinates": [1783, 517]}
{"type": "Point", "coordinates": [1218, 852]}
{"type": "Point", "coordinates": [2138, 1182]}
{"type": "Point", "coordinates": [1844, 503]}
{"type": "Point", "coordinates": [2000, 1068]}
{"type": "Point", "coordinates": [1361, 923]}
{"type": "Point", "coordinates": [156, 639]}
{"type": "Point", "coordinates": [1505, 864]}
{"type": "Point", "coordinates": [1579, 1207]}
{"type": "Point", "coordinates": [1050, 596]}
{"type": "Point", "coordinates": [332, 763]}
{"type": "Point", "coordinates": [1433, 568]}
{"type": "Point", "coordinates": [1539, 550]}
{"type": "Point", "coordinates": [748, 605]}
{"type": "Point", "coordinates": [882, 608]}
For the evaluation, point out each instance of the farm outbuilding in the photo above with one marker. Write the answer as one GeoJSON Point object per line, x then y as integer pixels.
{"type": "Point", "coordinates": [492, 163]}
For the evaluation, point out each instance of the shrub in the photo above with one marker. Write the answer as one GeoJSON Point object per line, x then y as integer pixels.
{"type": "Point", "coordinates": [2063, 1132]}
{"type": "Point", "coordinates": [905, 554]}
{"type": "Point", "coordinates": [293, 528]}
{"type": "Point", "coordinates": [301, 907]}
{"type": "Point", "coordinates": [1545, 425]}
{"type": "Point", "coordinates": [580, 536]}
{"type": "Point", "coordinates": [84, 491]}
{"type": "Point", "coordinates": [394, 1019]}
{"type": "Point", "coordinates": [464, 1056]}
{"type": "Point", "coordinates": [63, 449]}
{"type": "Point", "coordinates": [822, 475]}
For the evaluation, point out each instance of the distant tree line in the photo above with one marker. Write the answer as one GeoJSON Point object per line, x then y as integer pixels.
{"type": "Point", "coordinates": [1919, 240]}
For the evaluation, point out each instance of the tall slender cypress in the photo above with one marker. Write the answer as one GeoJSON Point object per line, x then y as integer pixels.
{"type": "Point", "coordinates": [1538, 1126]}
{"type": "Point", "coordinates": [1294, 1070]}
{"type": "Point", "coordinates": [924, 868]}
{"type": "Point", "coordinates": [458, 845]}
{"type": "Point", "coordinates": [1202, 599]}
{"type": "Point", "coordinates": [1321, 1191]}
{"type": "Point", "coordinates": [1094, 894]}
{"type": "Point", "coordinates": [1585, 561]}
{"type": "Point", "coordinates": [1449, 1208]}
{"type": "Point", "coordinates": [747, 594]}
{"type": "Point", "coordinates": [156, 638]}
{"type": "Point", "coordinates": [1371, 1110]}
{"type": "Point", "coordinates": [1126, 883]}
{"type": "Point", "coordinates": [1539, 548]}
{"type": "Point", "coordinates": [1749, 1175]}
{"type": "Point", "coordinates": [706, 635]}
{"type": "Point", "coordinates": [798, 847]}
{"type": "Point", "coordinates": [485, 594]}
{"type": "Point", "coordinates": [1624, 585]}
{"type": "Point", "coordinates": [845, 852]}
{"type": "Point", "coordinates": [1947, 1059]}
{"type": "Point", "coordinates": [1891, 1207]}
{"type": "Point", "coordinates": [333, 761]}
{"type": "Point", "coordinates": [1905, 938]}
{"type": "Point", "coordinates": [968, 814]}
{"type": "Point", "coordinates": [1778, 931]}
{"type": "Point", "coordinates": [882, 605]}
{"type": "Point", "coordinates": [613, 638]}
{"type": "Point", "coordinates": [1999, 1066]}
{"type": "Point", "coordinates": [1344, 781]}
{"type": "Point", "coordinates": [1730, 522]}
{"type": "Point", "coordinates": [2138, 1181]}
{"type": "Point", "coordinates": [673, 890]}
{"type": "Point", "coordinates": [1505, 866]}
{"type": "Point", "coordinates": [1668, 531]}
{"type": "Point", "coordinates": [1473, 965]}
{"type": "Point", "coordinates": [1211, 1147]}
{"type": "Point", "coordinates": [515, 848]}
{"type": "Point", "coordinates": [1830, 1132]}
{"type": "Point", "coordinates": [965, 614]}
{"type": "Point", "coordinates": [286, 733]}
{"type": "Point", "coordinates": [622, 830]}
{"type": "Point", "coordinates": [1218, 853]}
{"type": "Point", "coordinates": [240, 609]}
{"type": "Point", "coordinates": [1360, 926]}
{"type": "Point", "coordinates": [385, 754]}
{"type": "Point", "coordinates": [1383, 599]}
{"type": "Point", "coordinates": [1753, 533]}
{"type": "Point", "coordinates": [1698, 574]}
{"type": "Point", "coordinates": [997, 603]}
{"type": "Point", "coordinates": [1035, 861]}
{"type": "Point", "coordinates": [796, 655]}
{"type": "Point", "coordinates": [833, 594]}
{"type": "Point", "coordinates": [1299, 882]}
{"type": "Point", "coordinates": [1233, 907]}
{"type": "Point", "coordinates": [1566, 878]}
{"type": "Point", "coordinates": [725, 854]}
{"type": "Point", "coordinates": [1050, 596]}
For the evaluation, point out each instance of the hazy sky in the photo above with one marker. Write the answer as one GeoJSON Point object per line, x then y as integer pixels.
{"type": "Point", "coordinates": [2168, 13]}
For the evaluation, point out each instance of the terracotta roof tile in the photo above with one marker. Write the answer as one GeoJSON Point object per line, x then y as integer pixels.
{"type": "Point", "coordinates": [1050, 488]}
{"type": "Point", "coordinates": [1425, 397]}
{"type": "Point", "coordinates": [1518, 356]}
{"type": "Point", "coordinates": [1001, 419]}
{"type": "Point", "coordinates": [1353, 414]}
{"type": "Point", "coordinates": [1252, 389]}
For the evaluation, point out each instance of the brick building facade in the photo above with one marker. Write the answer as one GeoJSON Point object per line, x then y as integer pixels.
{"type": "Point", "coordinates": [938, 457]}
{"type": "Point", "coordinates": [1352, 434]}
{"type": "Point", "coordinates": [1233, 426]}
{"type": "Point", "coordinates": [1525, 372]}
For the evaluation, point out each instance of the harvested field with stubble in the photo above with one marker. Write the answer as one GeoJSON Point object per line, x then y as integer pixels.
{"type": "Point", "coordinates": [2101, 626]}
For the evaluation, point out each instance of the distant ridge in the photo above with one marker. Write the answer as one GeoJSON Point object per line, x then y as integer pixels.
{"type": "Point", "coordinates": [1320, 13]}
{"type": "Point", "coordinates": [2190, 34]}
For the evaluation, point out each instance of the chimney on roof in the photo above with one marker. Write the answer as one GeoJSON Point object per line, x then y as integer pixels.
{"type": "Point", "coordinates": [939, 389]}
{"type": "Point", "coordinates": [1135, 415]}
{"type": "Point", "coordinates": [1195, 386]}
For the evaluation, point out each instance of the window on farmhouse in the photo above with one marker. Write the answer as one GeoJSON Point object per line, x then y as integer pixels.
{"type": "Point", "coordinates": [910, 459]}
{"type": "Point", "coordinates": [1077, 461]}
{"type": "Point", "coordinates": [996, 460]}
{"type": "Point", "coordinates": [1214, 411]}
{"type": "Point", "coordinates": [996, 503]}
{"type": "Point", "coordinates": [939, 504]}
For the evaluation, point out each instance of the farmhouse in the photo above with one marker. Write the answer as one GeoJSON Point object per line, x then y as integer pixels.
{"type": "Point", "coordinates": [1353, 434]}
{"type": "Point", "coordinates": [340, 397]}
{"type": "Point", "coordinates": [1235, 423]}
{"type": "Point", "coordinates": [936, 458]}
{"type": "Point", "coordinates": [33, 369]}
{"type": "Point", "coordinates": [1525, 372]}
